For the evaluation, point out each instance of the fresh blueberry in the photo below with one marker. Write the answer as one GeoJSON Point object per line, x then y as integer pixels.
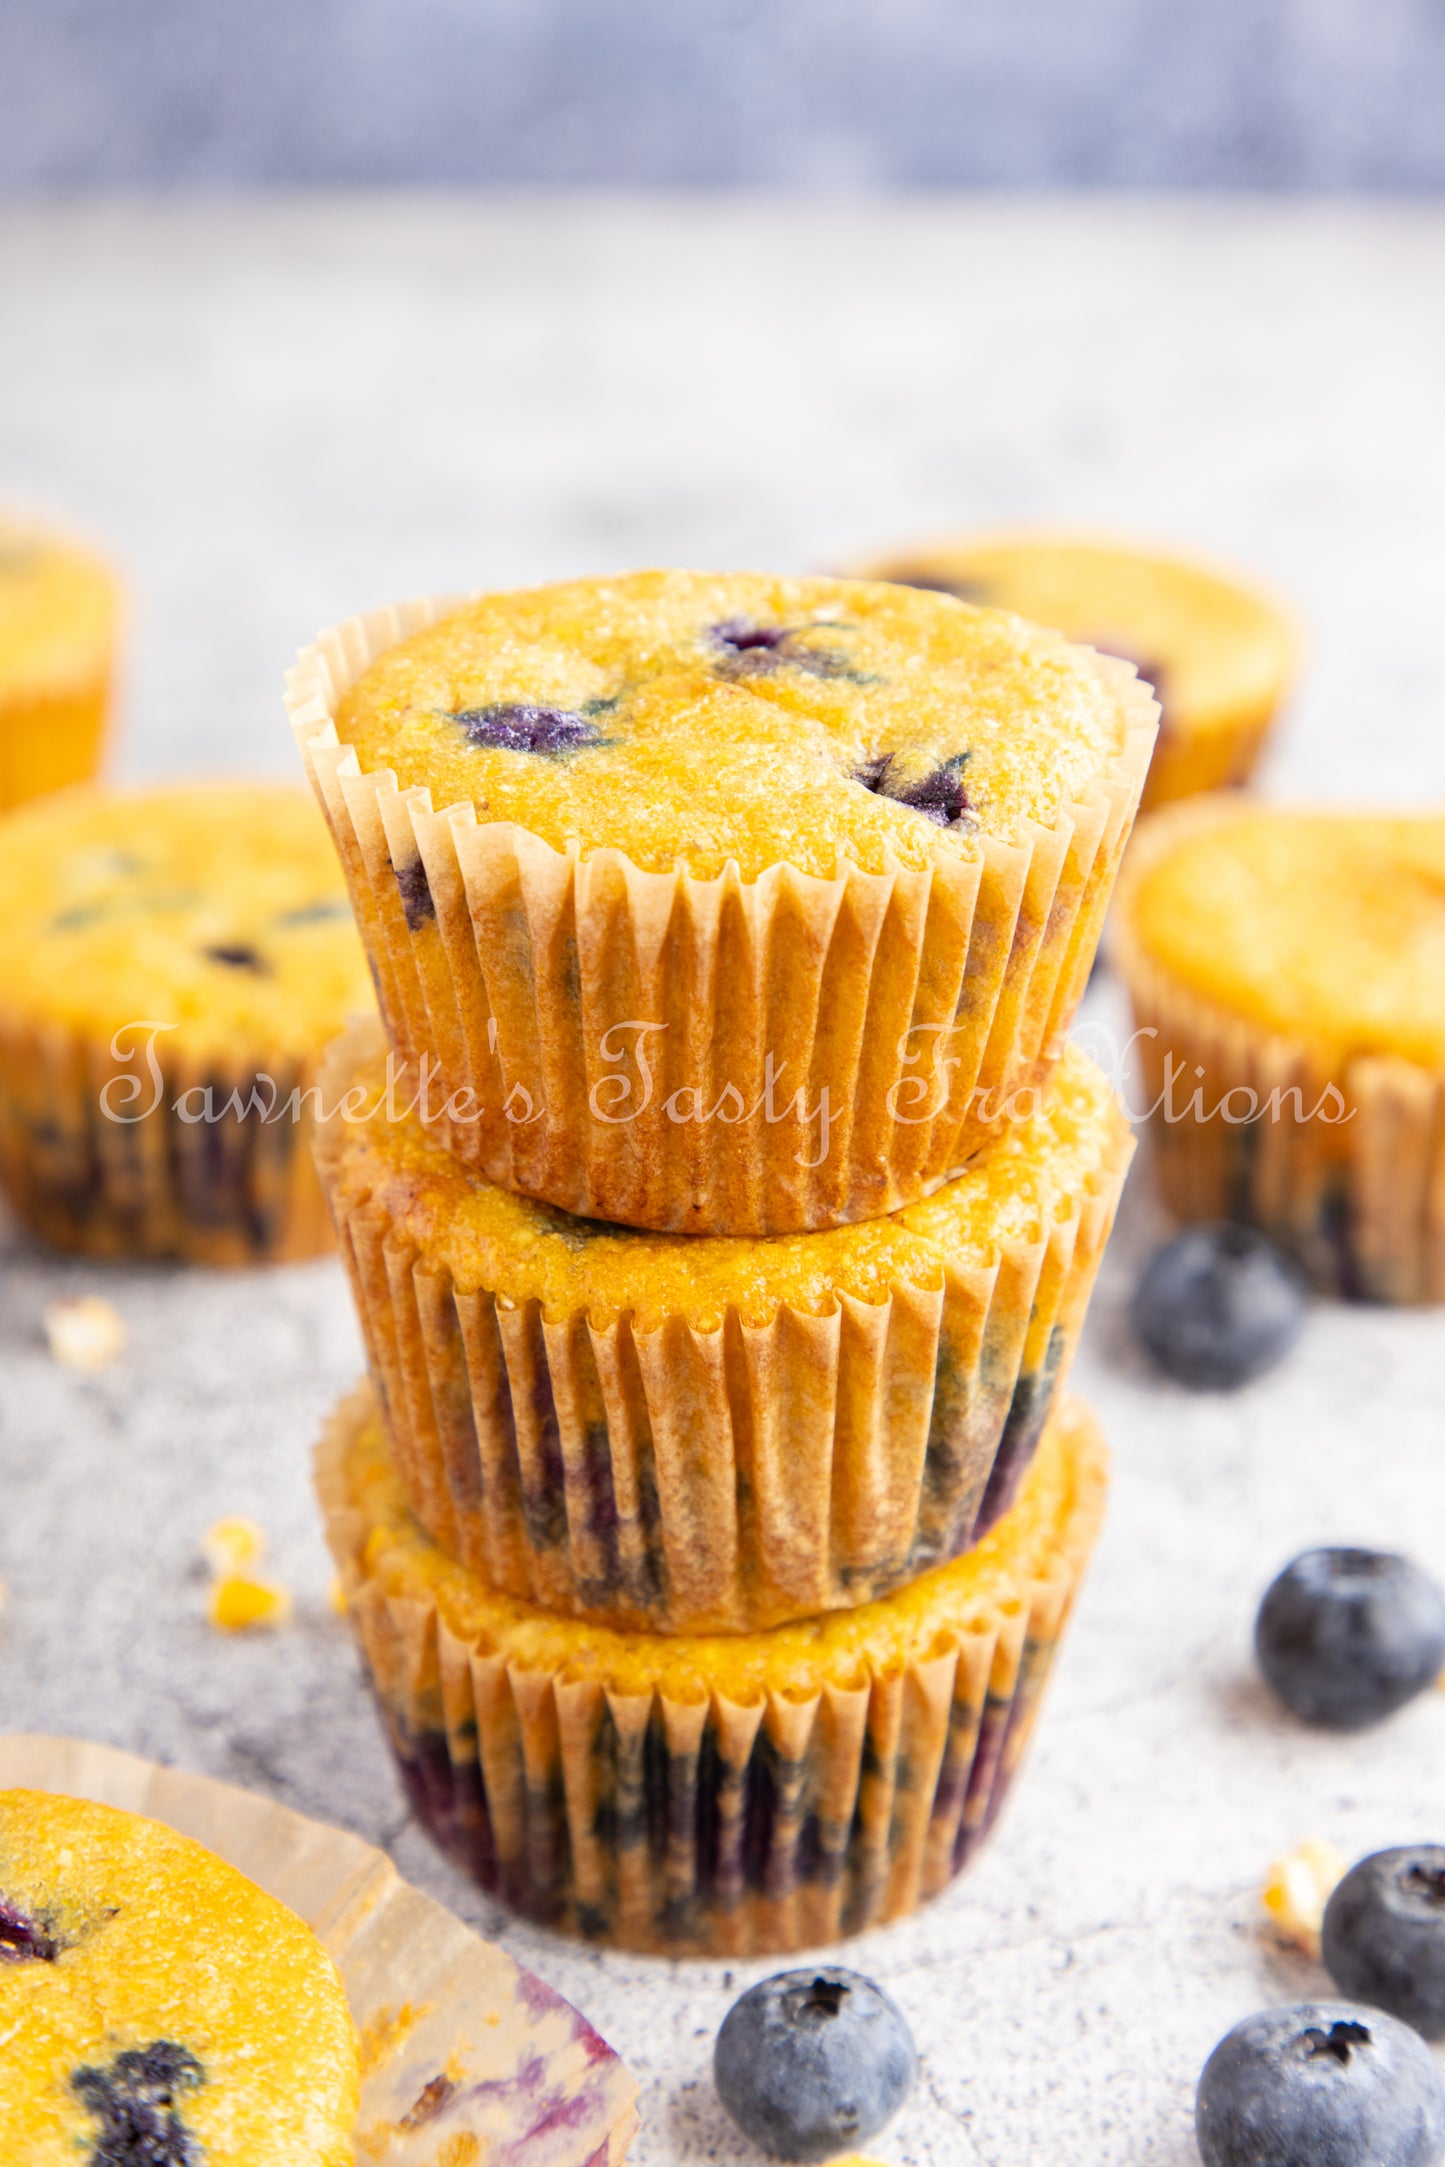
{"type": "Point", "coordinates": [519, 728]}
{"type": "Point", "coordinates": [1321, 2084]}
{"type": "Point", "coordinates": [237, 956]}
{"type": "Point", "coordinates": [938, 795]}
{"type": "Point", "coordinates": [22, 1937]}
{"type": "Point", "coordinates": [1345, 1637]}
{"type": "Point", "coordinates": [1219, 1305]}
{"type": "Point", "coordinates": [134, 2101]}
{"type": "Point", "coordinates": [811, 2063]}
{"type": "Point", "coordinates": [1383, 1939]}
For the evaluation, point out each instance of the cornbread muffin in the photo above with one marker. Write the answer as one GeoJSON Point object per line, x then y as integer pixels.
{"type": "Point", "coordinates": [156, 2006]}
{"type": "Point", "coordinates": [1219, 652]}
{"type": "Point", "coordinates": [172, 963]}
{"type": "Point", "coordinates": [722, 904]}
{"type": "Point", "coordinates": [729, 1794]}
{"type": "Point", "coordinates": [59, 620]}
{"type": "Point", "coordinates": [707, 1432]}
{"type": "Point", "coordinates": [1289, 966]}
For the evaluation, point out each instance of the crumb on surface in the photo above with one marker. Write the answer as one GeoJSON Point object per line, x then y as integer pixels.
{"type": "Point", "coordinates": [84, 1331]}
{"type": "Point", "coordinates": [232, 1543]}
{"type": "Point", "coordinates": [1298, 1888]}
{"type": "Point", "coordinates": [336, 1595]}
{"type": "Point", "coordinates": [240, 1601]}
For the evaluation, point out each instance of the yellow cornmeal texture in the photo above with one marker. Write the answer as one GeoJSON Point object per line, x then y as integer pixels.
{"type": "Point", "coordinates": [117, 908]}
{"type": "Point", "coordinates": [1323, 927]}
{"type": "Point", "coordinates": [843, 1647]}
{"type": "Point", "coordinates": [1216, 646]}
{"type": "Point", "coordinates": [58, 611]}
{"type": "Point", "coordinates": [161, 1941]}
{"type": "Point", "coordinates": [708, 751]}
{"type": "Point", "coordinates": [523, 1250]}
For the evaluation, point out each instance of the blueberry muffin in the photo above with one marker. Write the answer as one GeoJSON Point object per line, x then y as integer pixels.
{"type": "Point", "coordinates": [1219, 652]}
{"type": "Point", "coordinates": [1287, 968]}
{"type": "Point", "coordinates": [715, 1432]}
{"type": "Point", "coordinates": [172, 965]}
{"type": "Point", "coordinates": [727, 1794]}
{"type": "Point", "coordinates": [723, 904]}
{"type": "Point", "coordinates": [59, 620]}
{"type": "Point", "coordinates": [156, 2006]}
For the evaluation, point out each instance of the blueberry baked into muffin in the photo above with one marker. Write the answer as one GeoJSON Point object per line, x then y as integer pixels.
{"type": "Point", "coordinates": [157, 2009]}
{"type": "Point", "coordinates": [730, 1794]}
{"type": "Point", "coordinates": [724, 904]}
{"type": "Point", "coordinates": [1219, 652]}
{"type": "Point", "coordinates": [1287, 970]}
{"type": "Point", "coordinates": [172, 965]}
{"type": "Point", "coordinates": [59, 621]}
{"type": "Point", "coordinates": [686, 1431]}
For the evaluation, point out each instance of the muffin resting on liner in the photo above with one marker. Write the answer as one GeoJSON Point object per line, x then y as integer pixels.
{"type": "Point", "coordinates": [60, 614]}
{"type": "Point", "coordinates": [683, 1431]}
{"type": "Point", "coordinates": [728, 1794]}
{"type": "Point", "coordinates": [723, 904]}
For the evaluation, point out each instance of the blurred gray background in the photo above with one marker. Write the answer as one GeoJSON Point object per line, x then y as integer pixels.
{"type": "Point", "coordinates": [816, 94]}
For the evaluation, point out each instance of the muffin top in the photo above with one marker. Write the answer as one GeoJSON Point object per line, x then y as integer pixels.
{"type": "Point", "coordinates": [1210, 644]}
{"type": "Point", "coordinates": [1052, 1523]}
{"type": "Point", "coordinates": [693, 720]}
{"type": "Point", "coordinates": [521, 1250]}
{"type": "Point", "coordinates": [1323, 927]}
{"type": "Point", "coordinates": [149, 1991]}
{"type": "Point", "coordinates": [58, 610]}
{"type": "Point", "coordinates": [215, 908]}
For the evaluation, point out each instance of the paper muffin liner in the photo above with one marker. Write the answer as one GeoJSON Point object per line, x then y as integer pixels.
{"type": "Point", "coordinates": [1343, 1167]}
{"type": "Point", "coordinates": [712, 1826]}
{"type": "Point", "coordinates": [466, 2058]}
{"type": "Point", "coordinates": [53, 738]}
{"type": "Point", "coordinates": [680, 1478]}
{"type": "Point", "coordinates": [1217, 753]}
{"type": "Point", "coordinates": [655, 1048]}
{"type": "Point", "coordinates": [97, 1154]}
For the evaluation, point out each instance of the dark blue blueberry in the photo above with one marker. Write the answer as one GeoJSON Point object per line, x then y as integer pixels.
{"type": "Point", "coordinates": [23, 1938]}
{"type": "Point", "coordinates": [134, 2101]}
{"type": "Point", "coordinates": [237, 956]}
{"type": "Point", "coordinates": [1218, 1306]}
{"type": "Point", "coordinates": [518, 728]}
{"type": "Point", "coordinates": [812, 2063]}
{"type": "Point", "coordinates": [1321, 2084]}
{"type": "Point", "coordinates": [1345, 1637]}
{"type": "Point", "coordinates": [316, 913]}
{"type": "Point", "coordinates": [749, 650]}
{"type": "Point", "coordinates": [939, 795]}
{"type": "Point", "coordinates": [417, 900]}
{"type": "Point", "coordinates": [1384, 1935]}
{"type": "Point", "coordinates": [962, 590]}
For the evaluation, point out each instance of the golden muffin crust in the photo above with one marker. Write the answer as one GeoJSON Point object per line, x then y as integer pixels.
{"type": "Point", "coordinates": [215, 907]}
{"type": "Point", "coordinates": [1212, 646]}
{"type": "Point", "coordinates": [490, 1238]}
{"type": "Point", "coordinates": [694, 720]}
{"type": "Point", "coordinates": [1323, 927]}
{"type": "Point", "coordinates": [141, 1976]}
{"type": "Point", "coordinates": [59, 608]}
{"type": "Point", "coordinates": [1063, 1492]}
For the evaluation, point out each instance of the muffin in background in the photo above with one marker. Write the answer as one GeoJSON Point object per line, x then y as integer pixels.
{"type": "Point", "coordinates": [1219, 650]}
{"type": "Point", "coordinates": [1287, 971]}
{"type": "Point", "coordinates": [172, 964]}
{"type": "Point", "coordinates": [727, 904]}
{"type": "Point", "coordinates": [60, 612]}
{"type": "Point", "coordinates": [155, 2005]}
{"type": "Point", "coordinates": [727, 1794]}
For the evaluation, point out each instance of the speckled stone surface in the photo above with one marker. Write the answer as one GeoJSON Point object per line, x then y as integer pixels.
{"type": "Point", "coordinates": [280, 415]}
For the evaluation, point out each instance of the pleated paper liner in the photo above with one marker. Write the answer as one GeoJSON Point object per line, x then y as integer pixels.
{"type": "Point", "coordinates": [51, 739]}
{"type": "Point", "coordinates": [605, 1034]}
{"type": "Point", "coordinates": [97, 1154]}
{"type": "Point", "coordinates": [1344, 1169]}
{"type": "Point", "coordinates": [711, 1796]}
{"type": "Point", "coordinates": [431, 2000]}
{"type": "Point", "coordinates": [645, 1470]}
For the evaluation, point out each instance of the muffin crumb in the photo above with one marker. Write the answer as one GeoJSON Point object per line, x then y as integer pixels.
{"type": "Point", "coordinates": [84, 1331]}
{"type": "Point", "coordinates": [1298, 1888]}
{"type": "Point", "coordinates": [239, 1602]}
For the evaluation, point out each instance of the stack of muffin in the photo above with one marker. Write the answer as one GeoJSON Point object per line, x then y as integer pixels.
{"type": "Point", "coordinates": [721, 1203]}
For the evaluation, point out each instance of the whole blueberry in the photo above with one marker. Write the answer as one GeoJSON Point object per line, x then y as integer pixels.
{"type": "Point", "coordinates": [1345, 1637]}
{"type": "Point", "coordinates": [810, 2063]}
{"type": "Point", "coordinates": [1321, 2084]}
{"type": "Point", "coordinates": [1218, 1305]}
{"type": "Point", "coordinates": [1383, 1939]}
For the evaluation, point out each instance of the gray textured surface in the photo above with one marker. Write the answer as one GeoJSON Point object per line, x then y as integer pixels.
{"type": "Point", "coordinates": [279, 416]}
{"type": "Point", "coordinates": [830, 94]}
